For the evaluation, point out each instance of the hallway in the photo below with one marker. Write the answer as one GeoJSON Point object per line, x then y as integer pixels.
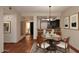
{"type": "Point", "coordinates": [23, 46]}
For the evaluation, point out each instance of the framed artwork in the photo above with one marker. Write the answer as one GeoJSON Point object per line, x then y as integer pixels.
{"type": "Point", "coordinates": [66, 22]}
{"type": "Point", "coordinates": [7, 27]}
{"type": "Point", "coordinates": [74, 21]}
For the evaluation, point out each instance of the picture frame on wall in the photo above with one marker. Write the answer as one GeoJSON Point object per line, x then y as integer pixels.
{"type": "Point", "coordinates": [66, 22]}
{"type": "Point", "coordinates": [7, 27]}
{"type": "Point", "coordinates": [74, 21]}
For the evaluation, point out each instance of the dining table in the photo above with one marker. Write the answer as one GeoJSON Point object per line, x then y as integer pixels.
{"type": "Point", "coordinates": [52, 40]}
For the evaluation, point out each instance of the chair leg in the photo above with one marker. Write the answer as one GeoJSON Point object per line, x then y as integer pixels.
{"type": "Point", "coordinates": [68, 49]}
{"type": "Point", "coordinates": [65, 50]}
{"type": "Point", "coordinates": [55, 49]}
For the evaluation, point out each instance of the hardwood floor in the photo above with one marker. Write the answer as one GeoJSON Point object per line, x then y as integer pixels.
{"type": "Point", "coordinates": [22, 46]}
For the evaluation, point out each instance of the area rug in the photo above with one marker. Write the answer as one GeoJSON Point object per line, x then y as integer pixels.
{"type": "Point", "coordinates": [36, 49]}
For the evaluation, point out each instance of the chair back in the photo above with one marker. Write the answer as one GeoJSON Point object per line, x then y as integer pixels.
{"type": "Point", "coordinates": [64, 44]}
{"type": "Point", "coordinates": [66, 40]}
{"type": "Point", "coordinates": [44, 32]}
{"type": "Point", "coordinates": [39, 40]}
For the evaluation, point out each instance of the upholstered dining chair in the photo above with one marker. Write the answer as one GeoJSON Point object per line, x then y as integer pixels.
{"type": "Point", "coordinates": [41, 43]}
{"type": "Point", "coordinates": [44, 32]}
{"type": "Point", "coordinates": [63, 45]}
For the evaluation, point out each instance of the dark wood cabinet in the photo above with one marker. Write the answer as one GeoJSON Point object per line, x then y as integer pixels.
{"type": "Point", "coordinates": [54, 24]}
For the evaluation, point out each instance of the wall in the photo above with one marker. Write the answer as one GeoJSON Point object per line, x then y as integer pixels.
{"type": "Point", "coordinates": [15, 18]}
{"type": "Point", "coordinates": [74, 34]}
{"type": "Point", "coordinates": [35, 27]}
{"type": "Point", "coordinates": [1, 31]}
{"type": "Point", "coordinates": [41, 14]}
{"type": "Point", "coordinates": [43, 25]}
{"type": "Point", "coordinates": [18, 25]}
{"type": "Point", "coordinates": [38, 24]}
{"type": "Point", "coordinates": [12, 36]}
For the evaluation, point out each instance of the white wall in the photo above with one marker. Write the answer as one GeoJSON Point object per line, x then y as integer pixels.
{"type": "Point", "coordinates": [15, 18]}
{"type": "Point", "coordinates": [18, 25]}
{"type": "Point", "coordinates": [42, 14]}
{"type": "Point", "coordinates": [74, 34]}
{"type": "Point", "coordinates": [12, 36]}
{"type": "Point", "coordinates": [1, 31]}
{"type": "Point", "coordinates": [43, 25]}
{"type": "Point", "coordinates": [35, 27]}
{"type": "Point", "coordinates": [38, 24]}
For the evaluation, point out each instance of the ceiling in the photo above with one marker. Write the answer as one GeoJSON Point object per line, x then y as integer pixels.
{"type": "Point", "coordinates": [40, 9]}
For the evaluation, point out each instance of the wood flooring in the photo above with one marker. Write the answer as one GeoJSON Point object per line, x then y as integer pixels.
{"type": "Point", "coordinates": [23, 46]}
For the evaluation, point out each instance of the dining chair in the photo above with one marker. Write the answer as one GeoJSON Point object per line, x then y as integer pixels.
{"type": "Point", "coordinates": [41, 43]}
{"type": "Point", "coordinates": [63, 45]}
{"type": "Point", "coordinates": [44, 32]}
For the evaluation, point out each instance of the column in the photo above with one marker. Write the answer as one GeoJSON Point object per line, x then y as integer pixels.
{"type": "Point", "coordinates": [35, 27]}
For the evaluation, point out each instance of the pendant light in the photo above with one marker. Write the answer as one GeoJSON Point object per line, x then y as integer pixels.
{"type": "Point", "coordinates": [49, 13]}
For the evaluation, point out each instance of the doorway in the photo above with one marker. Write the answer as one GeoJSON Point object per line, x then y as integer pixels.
{"type": "Point", "coordinates": [27, 27]}
{"type": "Point", "coordinates": [31, 28]}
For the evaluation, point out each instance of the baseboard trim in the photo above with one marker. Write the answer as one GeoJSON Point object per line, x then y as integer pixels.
{"type": "Point", "coordinates": [10, 42]}
{"type": "Point", "coordinates": [16, 42]}
{"type": "Point", "coordinates": [21, 39]}
{"type": "Point", "coordinates": [73, 48]}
